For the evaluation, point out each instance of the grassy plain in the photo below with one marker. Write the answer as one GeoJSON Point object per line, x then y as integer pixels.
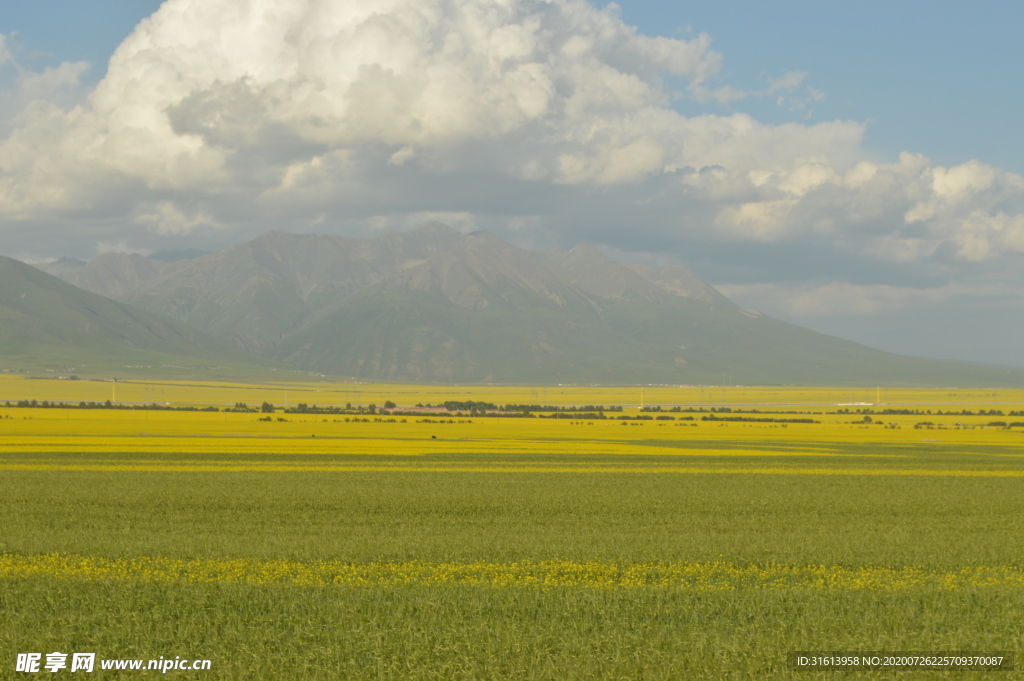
{"type": "Point", "coordinates": [446, 548]}
{"type": "Point", "coordinates": [335, 393]}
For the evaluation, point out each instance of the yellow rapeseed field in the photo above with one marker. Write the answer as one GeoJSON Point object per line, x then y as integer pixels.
{"type": "Point", "coordinates": [716, 576]}
{"type": "Point", "coordinates": [836, 443]}
{"type": "Point", "coordinates": [431, 544]}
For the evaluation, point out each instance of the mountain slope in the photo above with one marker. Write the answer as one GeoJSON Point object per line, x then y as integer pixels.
{"type": "Point", "coordinates": [109, 274]}
{"type": "Point", "coordinates": [423, 335]}
{"type": "Point", "coordinates": [257, 293]}
{"type": "Point", "coordinates": [46, 321]}
{"type": "Point", "coordinates": [437, 305]}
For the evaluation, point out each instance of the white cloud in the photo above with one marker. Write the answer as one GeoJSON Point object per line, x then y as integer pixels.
{"type": "Point", "coordinates": [29, 91]}
{"type": "Point", "coordinates": [540, 114]}
{"type": "Point", "coordinates": [983, 236]}
{"type": "Point", "coordinates": [789, 81]}
{"type": "Point", "coordinates": [725, 94]}
{"type": "Point", "coordinates": [757, 220]}
{"type": "Point", "coordinates": [200, 83]}
{"type": "Point", "coordinates": [167, 219]}
{"type": "Point", "coordinates": [36, 86]}
{"type": "Point", "coordinates": [5, 52]}
{"type": "Point", "coordinates": [900, 212]}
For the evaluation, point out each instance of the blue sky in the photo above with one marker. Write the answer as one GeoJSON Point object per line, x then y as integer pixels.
{"type": "Point", "coordinates": [853, 167]}
{"type": "Point", "coordinates": [941, 78]}
{"type": "Point", "coordinates": [72, 30]}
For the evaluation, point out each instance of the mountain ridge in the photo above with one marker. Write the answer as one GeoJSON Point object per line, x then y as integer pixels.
{"type": "Point", "coordinates": [434, 304]}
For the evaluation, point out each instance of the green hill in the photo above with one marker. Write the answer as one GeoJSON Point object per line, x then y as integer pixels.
{"type": "Point", "coordinates": [46, 323]}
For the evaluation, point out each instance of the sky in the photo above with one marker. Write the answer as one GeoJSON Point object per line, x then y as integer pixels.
{"type": "Point", "coordinates": [852, 167]}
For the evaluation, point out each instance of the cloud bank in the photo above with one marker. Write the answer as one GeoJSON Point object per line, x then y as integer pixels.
{"type": "Point", "coordinates": [549, 120]}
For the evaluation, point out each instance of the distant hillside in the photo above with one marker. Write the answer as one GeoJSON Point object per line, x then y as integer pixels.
{"type": "Point", "coordinates": [45, 322]}
{"type": "Point", "coordinates": [434, 304]}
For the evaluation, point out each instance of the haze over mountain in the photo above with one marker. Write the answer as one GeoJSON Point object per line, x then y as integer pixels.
{"type": "Point", "coordinates": [47, 322]}
{"type": "Point", "coordinates": [434, 304]}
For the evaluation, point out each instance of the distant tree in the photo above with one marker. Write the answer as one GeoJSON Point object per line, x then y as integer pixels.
{"type": "Point", "coordinates": [267, 408]}
{"type": "Point", "coordinates": [390, 405]}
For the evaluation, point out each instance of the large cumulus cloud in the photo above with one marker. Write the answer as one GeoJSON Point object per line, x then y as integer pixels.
{"type": "Point", "coordinates": [305, 100]}
{"type": "Point", "coordinates": [549, 119]}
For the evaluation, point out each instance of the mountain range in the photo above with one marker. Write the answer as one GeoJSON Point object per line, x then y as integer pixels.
{"type": "Point", "coordinates": [434, 304]}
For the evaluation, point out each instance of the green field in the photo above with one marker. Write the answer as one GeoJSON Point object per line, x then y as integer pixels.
{"type": "Point", "coordinates": [519, 549]}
